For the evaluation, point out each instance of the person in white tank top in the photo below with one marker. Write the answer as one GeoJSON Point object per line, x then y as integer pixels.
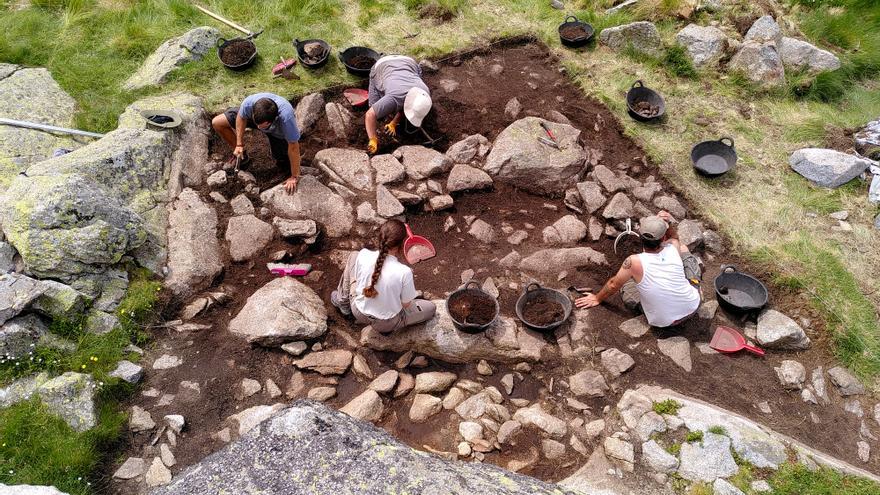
{"type": "Point", "coordinates": [665, 277]}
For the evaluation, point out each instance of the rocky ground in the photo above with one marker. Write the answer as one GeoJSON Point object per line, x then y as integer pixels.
{"type": "Point", "coordinates": [541, 405]}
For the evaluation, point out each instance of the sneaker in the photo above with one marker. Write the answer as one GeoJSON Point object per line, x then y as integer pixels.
{"type": "Point", "coordinates": [334, 300]}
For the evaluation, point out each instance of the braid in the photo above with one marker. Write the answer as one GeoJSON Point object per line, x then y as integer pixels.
{"type": "Point", "coordinates": [371, 290]}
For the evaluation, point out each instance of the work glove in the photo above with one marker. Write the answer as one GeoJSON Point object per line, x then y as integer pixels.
{"type": "Point", "coordinates": [373, 147]}
{"type": "Point", "coordinates": [391, 129]}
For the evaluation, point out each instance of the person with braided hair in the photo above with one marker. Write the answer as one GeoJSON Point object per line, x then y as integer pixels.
{"type": "Point", "coordinates": [378, 289]}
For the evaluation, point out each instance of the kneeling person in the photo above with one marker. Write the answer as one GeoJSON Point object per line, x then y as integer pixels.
{"type": "Point", "coordinates": [396, 90]}
{"type": "Point", "coordinates": [378, 289]}
{"type": "Point", "coordinates": [664, 278]}
{"type": "Point", "coordinates": [274, 116]}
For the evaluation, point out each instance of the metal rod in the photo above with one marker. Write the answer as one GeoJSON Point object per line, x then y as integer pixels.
{"type": "Point", "coordinates": [48, 128]}
{"type": "Point", "coordinates": [224, 20]}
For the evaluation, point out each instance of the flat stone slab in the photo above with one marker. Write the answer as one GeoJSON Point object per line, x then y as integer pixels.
{"type": "Point", "coordinates": [827, 168]}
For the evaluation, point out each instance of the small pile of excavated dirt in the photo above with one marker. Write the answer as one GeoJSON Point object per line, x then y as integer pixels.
{"type": "Point", "coordinates": [361, 62]}
{"type": "Point", "coordinates": [573, 33]}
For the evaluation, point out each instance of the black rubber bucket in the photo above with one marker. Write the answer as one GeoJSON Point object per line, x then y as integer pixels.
{"type": "Point", "coordinates": [223, 44]}
{"type": "Point", "coordinates": [349, 53]}
{"type": "Point", "coordinates": [639, 93]}
{"type": "Point", "coordinates": [303, 56]}
{"type": "Point", "coordinates": [576, 41]}
{"type": "Point", "coordinates": [471, 289]}
{"type": "Point", "coordinates": [739, 292]}
{"type": "Point", "coordinates": [532, 292]}
{"type": "Point", "coordinates": [714, 158]}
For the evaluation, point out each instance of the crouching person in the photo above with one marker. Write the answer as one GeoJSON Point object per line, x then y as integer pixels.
{"type": "Point", "coordinates": [378, 289]}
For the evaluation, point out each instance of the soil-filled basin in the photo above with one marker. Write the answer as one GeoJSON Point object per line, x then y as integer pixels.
{"type": "Point", "coordinates": [543, 309]}
{"type": "Point", "coordinates": [237, 54]}
{"type": "Point", "coordinates": [471, 308]}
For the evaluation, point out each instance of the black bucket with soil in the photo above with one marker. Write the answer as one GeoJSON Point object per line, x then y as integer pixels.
{"type": "Point", "coordinates": [237, 54]}
{"type": "Point", "coordinates": [471, 308]}
{"type": "Point", "coordinates": [543, 309]}
{"type": "Point", "coordinates": [358, 60]}
{"type": "Point", "coordinates": [574, 33]}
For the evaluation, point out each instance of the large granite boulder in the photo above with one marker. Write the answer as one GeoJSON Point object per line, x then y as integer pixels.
{"type": "Point", "coordinates": [282, 311]}
{"type": "Point", "coordinates": [764, 30]}
{"type": "Point", "coordinates": [312, 201]}
{"type": "Point", "coordinates": [519, 159]}
{"type": "Point", "coordinates": [760, 63]}
{"type": "Point", "coordinates": [310, 448]}
{"type": "Point", "coordinates": [17, 292]}
{"type": "Point", "coordinates": [705, 44]}
{"type": "Point", "coordinates": [194, 257]}
{"type": "Point", "coordinates": [69, 396]}
{"type": "Point", "coordinates": [188, 47]}
{"type": "Point", "coordinates": [346, 166]}
{"type": "Point", "coordinates": [34, 96]}
{"type": "Point", "coordinates": [20, 335]}
{"type": "Point", "coordinates": [309, 111]}
{"type": "Point", "coordinates": [81, 212]}
{"type": "Point", "coordinates": [800, 55]}
{"type": "Point", "coordinates": [827, 168]}
{"type": "Point", "coordinates": [66, 224]}
{"type": "Point", "coordinates": [504, 341]}
{"type": "Point", "coordinates": [247, 235]}
{"type": "Point", "coordinates": [641, 36]}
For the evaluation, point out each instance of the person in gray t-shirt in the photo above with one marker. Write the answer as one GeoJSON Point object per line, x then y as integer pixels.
{"type": "Point", "coordinates": [396, 89]}
{"type": "Point", "coordinates": [274, 116]}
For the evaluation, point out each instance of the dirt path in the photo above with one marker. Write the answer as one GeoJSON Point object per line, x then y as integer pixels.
{"type": "Point", "coordinates": [218, 362]}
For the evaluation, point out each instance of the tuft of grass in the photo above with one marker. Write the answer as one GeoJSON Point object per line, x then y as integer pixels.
{"type": "Point", "coordinates": [674, 449]}
{"type": "Point", "coordinates": [700, 489]}
{"type": "Point", "coordinates": [796, 479]}
{"type": "Point", "coordinates": [694, 436]}
{"type": "Point", "coordinates": [39, 448]}
{"type": "Point", "coordinates": [668, 406]}
{"type": "Point", "coordinates": [677, 62]}
{"type": "Point", "coordinates": [718, 430]}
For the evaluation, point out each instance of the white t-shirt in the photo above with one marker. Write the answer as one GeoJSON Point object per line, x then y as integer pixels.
{"type": "Point", "coordinates": [395, 285]}
{"type": "Point", "coordinates": [666, 294]}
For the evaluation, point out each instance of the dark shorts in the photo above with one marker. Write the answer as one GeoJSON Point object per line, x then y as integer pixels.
{"type": "Point", "coordinates": [276, 144]}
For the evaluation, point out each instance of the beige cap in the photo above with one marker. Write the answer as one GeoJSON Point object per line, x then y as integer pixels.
{"type": "Point", "coordinates": [416, 105]}
{"type": "Point", "coordinates": [653, 228]}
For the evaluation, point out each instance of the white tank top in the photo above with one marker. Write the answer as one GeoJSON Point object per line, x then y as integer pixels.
{"type": "Point", "coordinates": [666, 294]}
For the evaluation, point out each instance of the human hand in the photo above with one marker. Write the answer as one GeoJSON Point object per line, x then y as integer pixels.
{"type": "Point", "coordinates": [391, 129]}
{"type": "Point", "coordinates": [238, 151]}
{"type": "Point", "coordinates": [373, 147]}
{"type": "Point", "coordinates": [665, 216]}
{"type": "Point", "coordinates": [290, 185]}
{"type": "Point", "coordinates": [586, 302]}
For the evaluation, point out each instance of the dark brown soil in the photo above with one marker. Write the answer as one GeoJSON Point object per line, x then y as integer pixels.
{"type": "Point", "coordinates": [237, 52]}
{"type": "Point", "coordinates": [572, 33]}
{"type": "Point", "coordinates": [542, 311]}
{"type": "Point", "coordinates": [473, 307]}
{"type": "Point", "coordinates": [437, 12]}
{"type": "Point", "coordinates": [361, 62]}
{"type": "Point", "coordinates": [647, 110]}
{"type": "Point", "coordinates": [218, 361]}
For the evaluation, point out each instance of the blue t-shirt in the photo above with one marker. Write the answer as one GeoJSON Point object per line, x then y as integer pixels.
{"type": "Point", "coordinates": [284, 126]}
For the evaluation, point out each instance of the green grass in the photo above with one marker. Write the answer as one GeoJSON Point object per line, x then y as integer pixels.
{"type": "Point", "coordinates": [694, 436]}
{"type": "Point", "coordinates": [674, 449]}
{"type": "Point", "coordinates": [668, 406]}
{"type": "Point", "coordinates": [38, 448]}
{"type": "Point", "coordinates": [795, 479]}
{"type": "Point", "coordinates": [718, 430]}
{"type": "Point", "coordinates": [850, 316]}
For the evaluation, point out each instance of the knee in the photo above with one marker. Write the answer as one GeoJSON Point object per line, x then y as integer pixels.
{"type": "Point", "coordinates": [219, 122]}
{"type": "Point", "coordinates": [428, 307]}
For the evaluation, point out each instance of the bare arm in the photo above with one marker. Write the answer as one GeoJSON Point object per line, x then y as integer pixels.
{"type": "Point", "coordinates": [610, 288]}
{"type": "Point", "coordinates": [240, 126]}
{"type": "Point", "coordinates": [293, 154]}
{"type": "Point", "coordinates": [370, 122]}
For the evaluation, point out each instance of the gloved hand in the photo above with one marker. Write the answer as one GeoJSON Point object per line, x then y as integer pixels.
{"type": "Point", "coordinates": [373, 146]}
{"type": "Point", "coordinates": [391, 129]}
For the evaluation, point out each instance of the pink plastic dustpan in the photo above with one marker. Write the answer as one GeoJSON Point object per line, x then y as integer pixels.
{"type": "Point", "coordinates": [356, 97]}
{"type": "Point", "coordinates": [416, 248]}
{"type": "Point", "coordinates": [729, 340]}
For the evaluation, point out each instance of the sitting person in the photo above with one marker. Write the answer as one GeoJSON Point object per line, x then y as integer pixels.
{"type": "Point", "coordinates": [378, 289]}
{"type": "Point", "coordinates": [664, 279]}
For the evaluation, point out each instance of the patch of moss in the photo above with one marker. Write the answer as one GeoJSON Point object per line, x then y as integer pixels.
{"type": "Point", "coordinates": [668, 406]}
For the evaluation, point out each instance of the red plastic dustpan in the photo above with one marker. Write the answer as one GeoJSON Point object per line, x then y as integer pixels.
{"type": "Point", "coordinates": [357, 97]}
{"type": "Point", "coordinates": [416, 248]}
{"type": "Point", "coordinates": [727, 339]}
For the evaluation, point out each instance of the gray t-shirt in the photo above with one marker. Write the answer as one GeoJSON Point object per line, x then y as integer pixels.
{"type": "Point", "coordinates": [390, 81]}
{"type": "Point", "coordinates": [284, 126]}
